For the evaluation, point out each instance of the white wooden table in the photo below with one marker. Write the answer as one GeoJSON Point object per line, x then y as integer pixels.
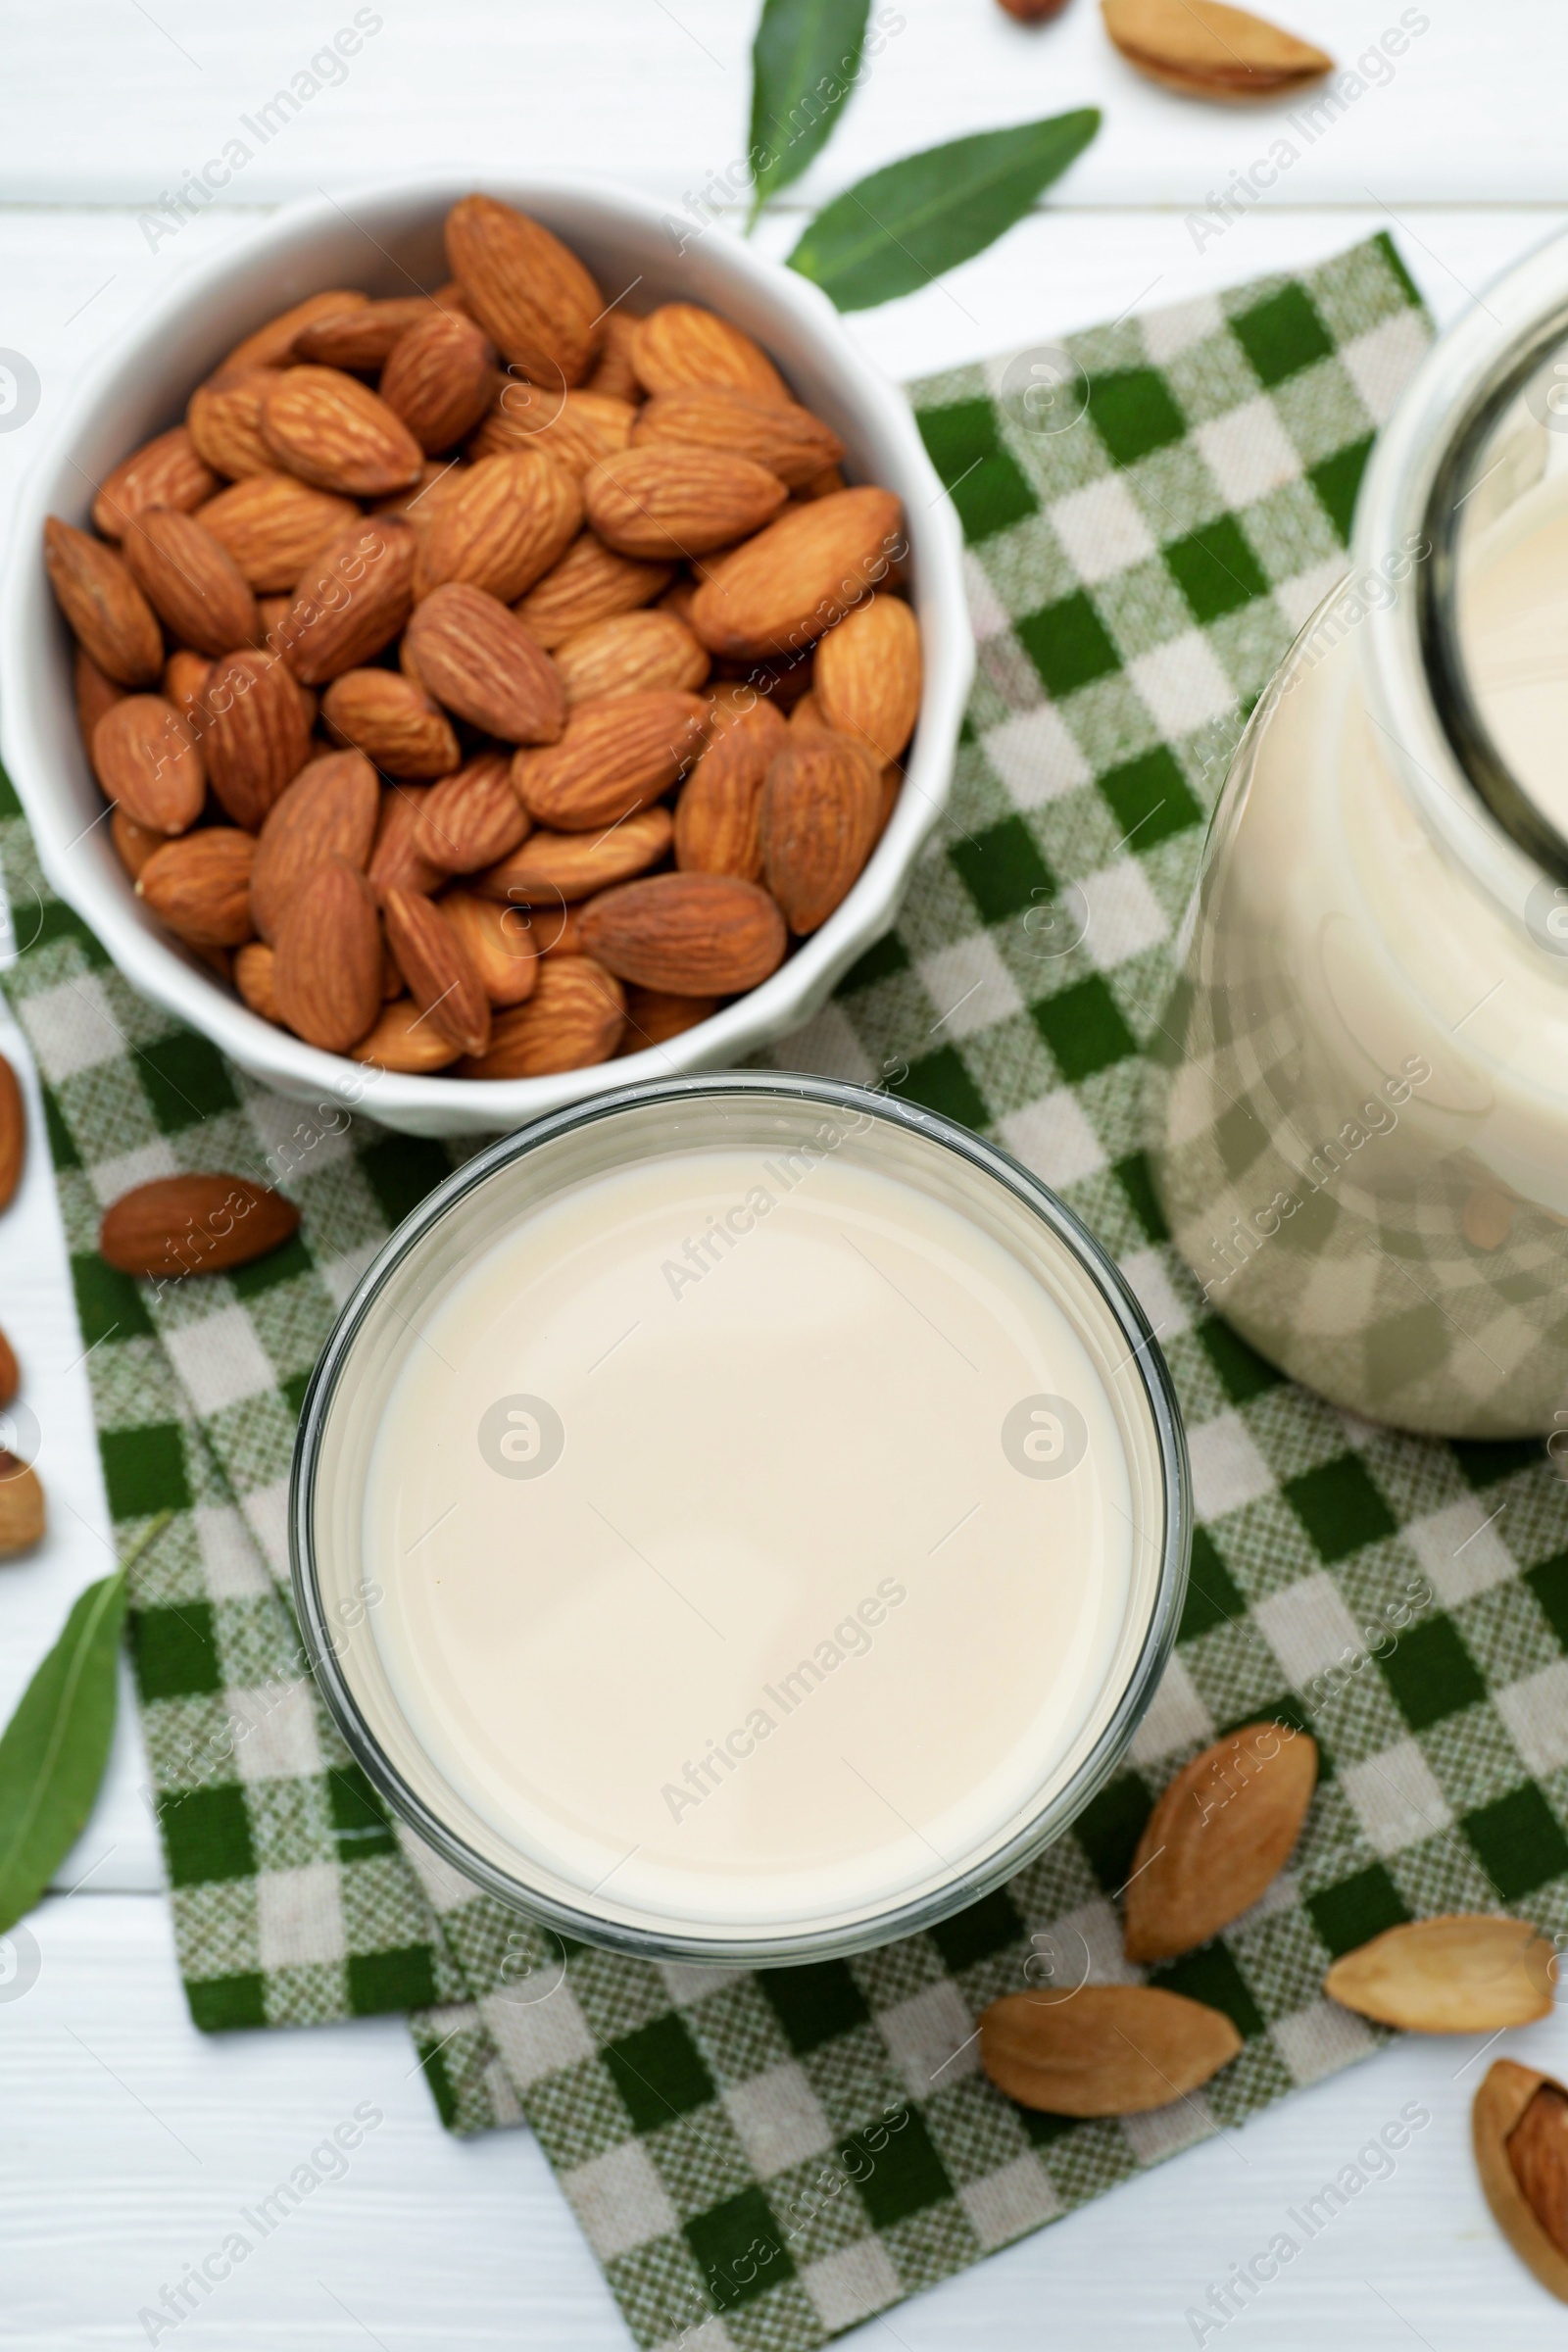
{"type": "Point", "coordinates": [127, 2142]}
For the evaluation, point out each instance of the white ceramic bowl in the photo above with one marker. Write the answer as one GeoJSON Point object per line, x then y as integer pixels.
{"type": "Point", "coordinates": [387, 239]}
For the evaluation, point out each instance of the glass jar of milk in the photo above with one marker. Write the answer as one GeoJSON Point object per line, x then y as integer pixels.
{"type": "Point", "coordinates": [1363, 1139]}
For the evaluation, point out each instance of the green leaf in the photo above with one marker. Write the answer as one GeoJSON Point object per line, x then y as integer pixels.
{"type": "Point", "coordinates": [804, 61]}
{"type": "Point", "coordinates": [54, 1750]}
{"type": "Point", "coordinates": [901, 227]}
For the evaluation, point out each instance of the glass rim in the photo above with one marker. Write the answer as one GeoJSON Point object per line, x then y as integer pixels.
{"type": "Point", "coordinates": [903, 1917]}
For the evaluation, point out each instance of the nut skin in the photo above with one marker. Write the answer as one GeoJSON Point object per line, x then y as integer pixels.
{"type": "Point", "coordinates": [573, 1018]}
{"type": "Point", "coordinates": [194, 1224]}
{"type": "Point", "coordinates": [328, 970]}
{"type": "Point", "coordinates": [1498, 2116]}
{"type": "Point", "coordinates": [686, 935]}
{"type": "Point", "coordinates": [112, 619]}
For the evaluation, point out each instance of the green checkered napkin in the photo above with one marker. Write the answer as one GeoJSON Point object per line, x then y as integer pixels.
{"type": "Point", "coordinates": [781, 2154]}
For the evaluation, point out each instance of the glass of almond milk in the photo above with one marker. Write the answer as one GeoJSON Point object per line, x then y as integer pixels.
{"type": "Point", "coordinates": [1362, 1098]}
{"type": "Point", "coordinates": [740, 1518]}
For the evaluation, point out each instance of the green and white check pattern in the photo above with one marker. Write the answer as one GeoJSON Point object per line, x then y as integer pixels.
{"type": "Point", "coordinates": [761, 2160]}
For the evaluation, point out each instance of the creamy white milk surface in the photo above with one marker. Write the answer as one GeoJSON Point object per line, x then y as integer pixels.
{"type": "Point", "coordinates": [755, 1543]}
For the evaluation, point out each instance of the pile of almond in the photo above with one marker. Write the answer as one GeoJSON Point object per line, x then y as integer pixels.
{"type": "Point", "coordinates": [492, 679]}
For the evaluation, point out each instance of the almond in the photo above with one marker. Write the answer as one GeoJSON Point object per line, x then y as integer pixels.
{"type": "Point", "coordinates": [276, 344]}
{"type": "Point", "coordinates": [823, 484]}
{"type": "Point", "coordinates": [787, 439]}
{"type": "Point", "coordinates": [573, 428]}
{"type": "Point", "coordinates": [653, 1019]}
{"type": "Point", "coordinates": [406, 1039]}
{"type": "Point", "coordinates": [95, 694]}
{"type": "Point", "coordinates": [686, 935]}
{"type": "Point", "coordinates": [1519, 2126]}
{"type": "Point", "coordinates": [531, 295]}
{"type": "Point", "coordinates": [258, 736]}
{"type": "Point", "coordinates": [442, 976]}
{"type": "Point", "coordinates": [13, 1133]}
{"type": "Point", "coordinates": [10, 1374]}
{"type": "Point", "coordinates": [549, 868]}
{"type": "Point", "coordinates": [224, 417]}
{"type": "Point", "coordinates": [632, 653]}
{"type": "Point", "coordinates": [479, 660]}
{"type": "Point", "coordinates": [615, 755]}
{"type": "Point", "coordinates": [500, 943]}
{"type": "Point", "coordinates": [1456, 1974]}
{"type": "Point", "coordinates": [1218, 1838]}
{"type": "Point", "coordinates": [191, 581]}
{"type": "Point", "coordinates": [168, 471]}
{"type": "Point", "coordinates": [351, 600]}
{"type": "Point", "coordinates": [392, 721]}
{"type": "Point", "coordinates": [273, 525]}
{"type": "Point", "coordinates": [328, 970]}
{"type": "Point", "coordinates": [146, 756]}
{"type": "Point", "coordinates": [614, 378]}
{"type": "Point", "coordinates": [682, 345]}
{"type": "Point", "coordinates": [509, 520]}
{"type": "Point", "coordinates": [200, 886]}
{"type": "Point", "coordinates": [719, 817]}
{"type": "Point", "coordinates": [675, 498]}
{"type": "Point", "coordinates": [1111, 2049]}
{"type": "Point", "coordinates": [204, 1224]}
{"type": "Point", "coordinates": [820, 812]}
{"type": "Point", "coordinates": [362, 335]}
{"type": "Point", "coordinates": [185, 676]}
{"type": "Point", "coordinates": [472, 818]}
{"type": "Point", "coordinates": [256, 978]}
{"type": "Point", "coordinates": [807, 717]}
{"type": "Point", "coordinates": [329, 810]}
{"type": "Point", "coordinates": [867, 675]}
{"type": "Point", "coordinates": [395, 862]}
{"type": "Point", "coordinates": [134, 844]}
{"type": "Point", "coordinates": [440, 378]}
{"type": "Point", "coordinates": [104, 606]}
{"type": "Point", "coordinates": [22, 1506]}
{"type": "Point", "coordinates": [573, 1019]}
{"type": "Point", "coordinates": [556, 930]}
{"type": "Point", "coordinates": [795, 579]}
{"type": "Point", "coordinates": [1211, 51]}
{"type": "Point", "coordinates": [588, 583]}
{"type": "Point", "coordinates": [334, 431]}
{"type": "Point", "coordinates": [677, 597]}
{"type": "Point", "coordinates": [424, 500]}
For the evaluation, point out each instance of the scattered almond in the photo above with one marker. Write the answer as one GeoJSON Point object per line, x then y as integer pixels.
{"type": "Point", "coordinates": [686, 935]}
{"type": "Point", "coordinates": [1209, 50]}
{"type": "Point", "coordinates": [1218, 1838]}
{"type": "Point", "coordinates": [1111, 2049]}
{"type": "Point", "coordinates": [1519, 2128]}
{"type": "Point", "coordinates": [681, 344]}
{"type": "Point", "coordinates": [573, 1019]}
{"type": "Point", "coordinates": [196, 1224]}
{"type": "Point", "coordinates": [13, 1133]}
{"type": "Point", "coordinates": [1461, 1973]}
{"type": "Point", "coordinates": [22, 1506]}
{"type": "Point", "coordinates": [168, 471]}
{"type": "Point", "coordinates": [9, 1375]}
